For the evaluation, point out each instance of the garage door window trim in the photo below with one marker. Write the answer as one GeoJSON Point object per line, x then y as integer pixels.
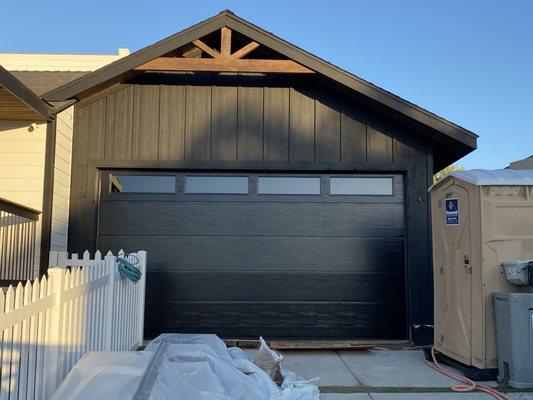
{"type": "Point", "coordinates": [128, 183]}
{"type": "Point", "coordinates": [213, 184]}
{"type": "Point", "coordinates": [288, 185]}
{"type": "Point", "coordinates": [361, 186]}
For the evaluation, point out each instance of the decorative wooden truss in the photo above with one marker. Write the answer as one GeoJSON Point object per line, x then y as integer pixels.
{"type": "Point", "coordinates": [223, 60]}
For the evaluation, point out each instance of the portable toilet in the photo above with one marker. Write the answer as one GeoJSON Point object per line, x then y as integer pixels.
{"type": "Point", "coordinates": [480, 219]}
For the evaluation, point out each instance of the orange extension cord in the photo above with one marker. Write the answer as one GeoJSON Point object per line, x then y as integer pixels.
{"type": "Point", "coordinates": [470, 384]}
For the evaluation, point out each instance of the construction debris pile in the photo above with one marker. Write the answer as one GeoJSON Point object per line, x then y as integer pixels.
{"type": "Point", "coordinates": [185, 366]}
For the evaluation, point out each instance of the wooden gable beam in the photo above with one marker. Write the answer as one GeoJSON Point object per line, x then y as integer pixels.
{"type": "Point", "coordinates": [223, 60]}
{"type": "Point", "coordinates": [192, 53]}
{"type": "Point", "coordinates": [225, 47]}
{"type": "Point", "coordinates": [176, 64]}
{"type": "Point", "coordinates": [202, 46]}
{"type": "Point", "coordinates": [244, 51]}
{"type": "Point", "coordinates": [225, 42]}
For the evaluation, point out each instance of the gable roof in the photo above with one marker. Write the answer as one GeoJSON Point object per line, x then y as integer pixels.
{"type": "Point", "coordinates": [18, 102]}
{"type": "Point", "coordinates": [459, 140]}
{"type": "Point", "coordinates": [40, 82]}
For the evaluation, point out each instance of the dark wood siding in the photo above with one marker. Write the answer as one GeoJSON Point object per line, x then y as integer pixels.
{"type": "Point", "coordinates": [276, 125]}
{"type": "Point", "coordinates": [172, 123]}
{"type": "Point", "coordinates": [250, 129]}
{"type": "Point", "coordinates": [242, 124]}
{"type": "Point", "coordinates": [198, 108]}
{"type": "Point", "coordinates": [220, 123]}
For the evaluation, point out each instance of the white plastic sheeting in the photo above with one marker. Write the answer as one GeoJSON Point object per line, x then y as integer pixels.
{"type": "Point", "coordinates": [196, 367]}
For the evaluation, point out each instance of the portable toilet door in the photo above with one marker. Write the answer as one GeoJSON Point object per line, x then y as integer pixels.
{"type": "Point", "coordinates": [452, 257]}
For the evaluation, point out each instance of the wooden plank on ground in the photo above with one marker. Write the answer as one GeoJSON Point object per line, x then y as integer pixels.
{"type": "Point", "coordinates": [320, 344]}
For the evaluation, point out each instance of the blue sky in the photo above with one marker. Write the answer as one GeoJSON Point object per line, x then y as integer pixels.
{"type": "Point", "coordinates": [468, 61]}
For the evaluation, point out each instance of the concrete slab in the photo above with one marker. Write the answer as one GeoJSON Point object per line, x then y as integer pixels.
{"type": "Point", "coordinates": [520, 396]}
{"type": "Point", "coordinates": [393, 368]}
{"type": "Point", "coordinates": [344, 396]}
{"type": "Point", "coordinates": [446, 396]}
{"type": "Point", "coordinates": [326, 365]}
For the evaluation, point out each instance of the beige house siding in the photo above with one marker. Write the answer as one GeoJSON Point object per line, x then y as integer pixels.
{"type": "Point", "coordinates": [61, 190]}
{"type": "Point", "coordinates": [58, 62]}
{"type": "Point", "coordinates": [22, 153]}
{"type": "Point", "coordinates": [22, 156]}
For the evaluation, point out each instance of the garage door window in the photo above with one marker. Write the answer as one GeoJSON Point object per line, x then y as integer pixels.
{"type": "Point", "coordinates": [216, 184]}
{"type": "Point", "coordinates": [361, 186]}
{"type": "Point", "coordinates": [288, 185]}
{"type": "Point", "coordinates": [143, 184]}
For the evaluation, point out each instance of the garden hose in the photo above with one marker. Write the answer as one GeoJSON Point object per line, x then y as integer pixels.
{"type": "Point", "coordinates": [128, 269]}
{"type": "Point", "coordinates": [469, 385]}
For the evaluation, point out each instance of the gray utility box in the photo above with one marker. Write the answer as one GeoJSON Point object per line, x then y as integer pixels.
{"type": "Point", "coordinates": [514, 336]}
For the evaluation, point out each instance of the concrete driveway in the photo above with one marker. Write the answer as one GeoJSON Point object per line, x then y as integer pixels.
{"type": "Point", "coordinates": [379, 375]}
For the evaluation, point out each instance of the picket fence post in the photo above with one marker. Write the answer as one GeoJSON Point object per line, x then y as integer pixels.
{"type": "Point", "coordinates": [110, 301]}
{"type": "Point", "coordinates": [142, 264]}
{"type": "Point", "coordinates": [53, 349]}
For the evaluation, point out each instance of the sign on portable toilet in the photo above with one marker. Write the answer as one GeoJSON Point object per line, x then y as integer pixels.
{"type": "Point", "coordinates": [452, 212]}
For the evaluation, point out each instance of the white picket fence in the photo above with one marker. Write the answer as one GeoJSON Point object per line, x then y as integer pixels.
{"type": "Point", "coordinates": [46, 326]}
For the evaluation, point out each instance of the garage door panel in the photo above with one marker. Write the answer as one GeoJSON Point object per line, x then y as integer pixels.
{"type": "Point", "coordinates": [245, 253]}
{"type": "Point", "coordinates": [282, 266]}
{"type": "Point", "coordinates": [295, 320]}
{"type": "Point", "coordinates": [272, 286]}
{"type": "Point", "coordinates": [268, 219]}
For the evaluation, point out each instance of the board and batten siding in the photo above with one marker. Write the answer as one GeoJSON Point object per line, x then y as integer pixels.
{"type": "Point", "coordinates": [22, 156]}
{"type": "Point", "coordinates": [253, 126]}
{"type": "Point", "coordinates": [229, 124]}
{"type": "Point", "coordinates": [61, 188]}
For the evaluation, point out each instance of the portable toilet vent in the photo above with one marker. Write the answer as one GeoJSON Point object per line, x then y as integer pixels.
{"type": "Point", "coordinates": [480, 219]}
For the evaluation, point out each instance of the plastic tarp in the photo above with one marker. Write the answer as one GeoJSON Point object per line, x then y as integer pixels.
{"type": "Point", "coordinates": [198, 366]}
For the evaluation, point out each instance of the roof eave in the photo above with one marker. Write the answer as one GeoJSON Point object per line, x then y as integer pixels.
{"type": "Point", "coordinates": [24, 94]}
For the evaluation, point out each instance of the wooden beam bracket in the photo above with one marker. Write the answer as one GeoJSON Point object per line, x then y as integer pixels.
{"type": "Point", "coordinates": [223, 60]}
{"type": "Point", "coordinates": [175, 64]}
{"type": "Point", "coordinates": [244, 51]}
{"type": "Point", "coordinates": [202, 46]}
{"type": "Point", "coordinates": [225, 42]}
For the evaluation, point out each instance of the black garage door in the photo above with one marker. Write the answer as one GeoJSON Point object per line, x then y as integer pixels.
{"type": "Point", "coordinates": [283, 256]}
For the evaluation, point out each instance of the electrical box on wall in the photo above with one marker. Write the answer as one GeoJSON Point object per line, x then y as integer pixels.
{"type": "Point", "coordinates": [480, 219]}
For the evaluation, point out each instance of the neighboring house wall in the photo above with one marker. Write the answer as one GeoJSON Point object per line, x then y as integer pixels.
{"type": "Point", "coordinates": [58, 62]}
{"type": "Point", "coordinates": [22, 155]}
{"type": "Point", "coordinates": [61, 188]}
{"type": "Point", "coordinates": [526, 163]}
